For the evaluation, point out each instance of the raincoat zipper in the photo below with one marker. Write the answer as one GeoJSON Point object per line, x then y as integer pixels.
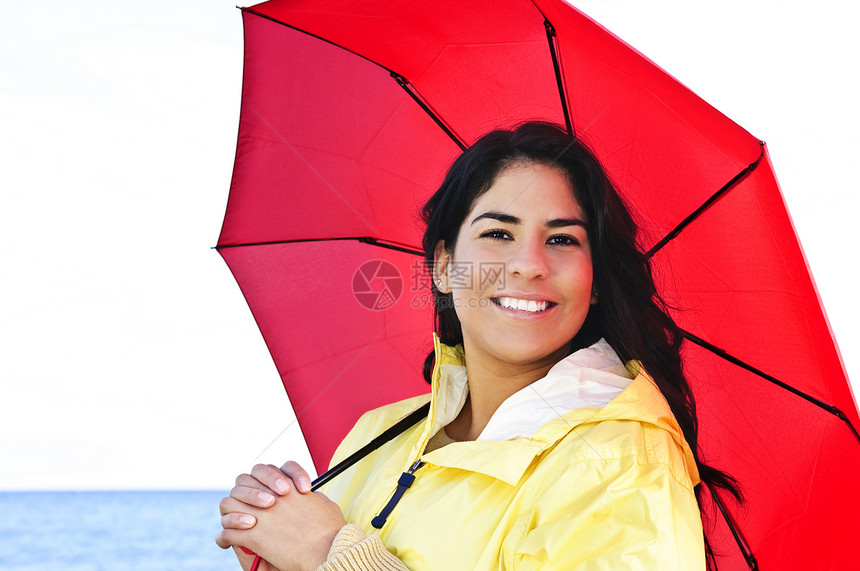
{"type": "Point", "coordinates": [403, 483]}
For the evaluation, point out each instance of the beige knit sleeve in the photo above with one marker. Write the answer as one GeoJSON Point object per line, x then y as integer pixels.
{"type": "Point", "coordinates": [352, 550]}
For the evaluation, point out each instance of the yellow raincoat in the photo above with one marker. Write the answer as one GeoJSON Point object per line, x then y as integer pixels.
{"type": "Point", "coordinates": [606, 488]}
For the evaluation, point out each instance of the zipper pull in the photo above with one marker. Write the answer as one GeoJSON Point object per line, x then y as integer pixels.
{"type": "Point", "coordinates": [403, 483]}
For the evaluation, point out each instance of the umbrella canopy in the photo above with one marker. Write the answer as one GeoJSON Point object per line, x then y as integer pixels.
{"type": "Point", "coordinates": [351, 114]}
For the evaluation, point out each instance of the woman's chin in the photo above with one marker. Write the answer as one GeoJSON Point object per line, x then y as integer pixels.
{"type": "Point", "coordinates": [521, 353]}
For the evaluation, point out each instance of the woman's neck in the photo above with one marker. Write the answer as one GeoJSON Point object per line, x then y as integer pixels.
{"type": "Point", "coordinates": [491, 382]}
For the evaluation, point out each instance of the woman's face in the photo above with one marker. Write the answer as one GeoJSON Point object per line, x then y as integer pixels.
{"type": "Point", "coordinates": [520, 273]}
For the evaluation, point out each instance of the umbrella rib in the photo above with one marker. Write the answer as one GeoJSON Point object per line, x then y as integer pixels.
{"type": "Point", "coordinates": [402, 81]}
{"type": "Point", "coordinates": [363, 239]}
{"type": "Point", "coordinates": [322, 39]}
{"type": "Point", "coordinates": [707, 204]}
{"type": "Point", "coordinates": [551, 38]}
{"type": "Point", "coordinates": [832, 409]}
{"type": "Point", "coordinates": [736, 532]}
{"type": "Point", "coordinates": [407, 87]}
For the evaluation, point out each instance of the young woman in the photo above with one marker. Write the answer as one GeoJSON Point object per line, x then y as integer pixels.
{"type": "Point", "coordinates": [561, 432]}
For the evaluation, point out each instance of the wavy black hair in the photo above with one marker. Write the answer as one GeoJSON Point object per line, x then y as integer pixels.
{"type": "Point", "coordinates": [631, 315]}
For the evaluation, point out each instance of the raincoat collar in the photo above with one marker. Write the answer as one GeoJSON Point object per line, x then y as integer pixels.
{"type": "Point", "coordinates": [632, 395]}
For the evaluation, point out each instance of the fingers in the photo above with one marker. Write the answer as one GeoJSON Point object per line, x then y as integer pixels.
{"type": "Point", "coordinates": [221, 541]}
{"type": "Point", "coordinates": [274, 480]}
{"type": "Point", "coordinates": [232, 521]}
{"type": "Point", "coordinates": [238, 520]}
{"type": "Point", "coordinates": [298, 475]}
{"type": "Point", "coordinates": [230, 505]}
{"type": "Point", "coordinates": [252, 496]}
{"type": "Point", "coordinates": [252, 482]}
{"type": "Point", "coordinates": [272, 477]}
{"type": "Point", "coordinates": [227, 538]}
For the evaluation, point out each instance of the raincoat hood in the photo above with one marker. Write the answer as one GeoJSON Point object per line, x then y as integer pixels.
{"type": "Point", "coordinates": [539, 415]}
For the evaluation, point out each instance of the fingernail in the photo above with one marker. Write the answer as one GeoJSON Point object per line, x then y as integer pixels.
{"type": "Point", "coordinates": [304, 484]}
{"type": "Point", "coordinates": [265, 498]}
{"type": "Point", "coordinates": [281, 486]}
{"type": "Point", "coordinates": [246, 520]}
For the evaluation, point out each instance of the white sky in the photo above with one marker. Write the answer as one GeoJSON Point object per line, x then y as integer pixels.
{"type": "Point", "coordinates": [128, 358]}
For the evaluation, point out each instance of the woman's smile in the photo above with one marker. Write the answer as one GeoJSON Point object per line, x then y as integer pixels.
{"type": "Point", "coordinates": [517, 305]}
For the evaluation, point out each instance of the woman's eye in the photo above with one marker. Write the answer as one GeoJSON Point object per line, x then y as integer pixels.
{"type": "Point", "coordinates": [496, 235]}
{"type": "Point", "coordinates": [563, 240]}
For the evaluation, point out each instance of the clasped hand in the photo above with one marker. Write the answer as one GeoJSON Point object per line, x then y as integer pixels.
{"type": "Point", "coordinates": [272, 512]}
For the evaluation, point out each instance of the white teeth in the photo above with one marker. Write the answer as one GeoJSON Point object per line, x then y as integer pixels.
{"type": "Point", "coordinates": [523, 304]}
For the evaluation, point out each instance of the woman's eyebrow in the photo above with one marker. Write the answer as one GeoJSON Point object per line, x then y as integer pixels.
{"type": "Point", "coordinates": [500, 216]}
{"type": "Point", "coordinates": [510, 219]}
{"type": "Point", "coordinates": [562, 222]}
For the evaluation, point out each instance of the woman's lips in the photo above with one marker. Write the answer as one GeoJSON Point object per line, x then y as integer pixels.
{"type": "Point", "coordinates": [520, 304]}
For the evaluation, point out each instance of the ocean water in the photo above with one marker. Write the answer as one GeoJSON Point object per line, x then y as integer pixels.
{"type": "Point", "coordinates": [89, 531]}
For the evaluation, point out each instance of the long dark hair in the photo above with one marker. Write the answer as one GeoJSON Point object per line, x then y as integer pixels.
{"type": "Point", "coordinates": [630, 314]}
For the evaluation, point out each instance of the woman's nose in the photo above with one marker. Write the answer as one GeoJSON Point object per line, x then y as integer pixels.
{"type": "Point", "coordinates": [529, 260]}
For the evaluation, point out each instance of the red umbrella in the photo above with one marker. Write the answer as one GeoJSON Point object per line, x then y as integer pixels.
{"type": "Point", "coordinates": [351, 113]}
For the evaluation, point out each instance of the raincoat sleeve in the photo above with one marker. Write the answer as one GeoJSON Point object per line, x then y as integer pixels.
{"type": "Point", "coordinates": [613, 514]}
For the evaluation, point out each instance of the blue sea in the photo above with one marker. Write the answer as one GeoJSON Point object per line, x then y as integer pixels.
{"type": "Point", "coordinates": [89, 531]}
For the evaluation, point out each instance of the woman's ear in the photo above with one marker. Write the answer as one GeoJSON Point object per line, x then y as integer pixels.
{"type": "Point", "coordinates": [441, 260]}
{"type": "Point", "coordinates": [593, 294]}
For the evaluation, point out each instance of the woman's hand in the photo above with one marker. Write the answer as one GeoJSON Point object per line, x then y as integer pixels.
{"type": "Point", "coordinates": [269, 478]}
{"type": "Point", "coordinates": [272, 512]}
{"type": "Point", "coordinates": [259, 489]}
